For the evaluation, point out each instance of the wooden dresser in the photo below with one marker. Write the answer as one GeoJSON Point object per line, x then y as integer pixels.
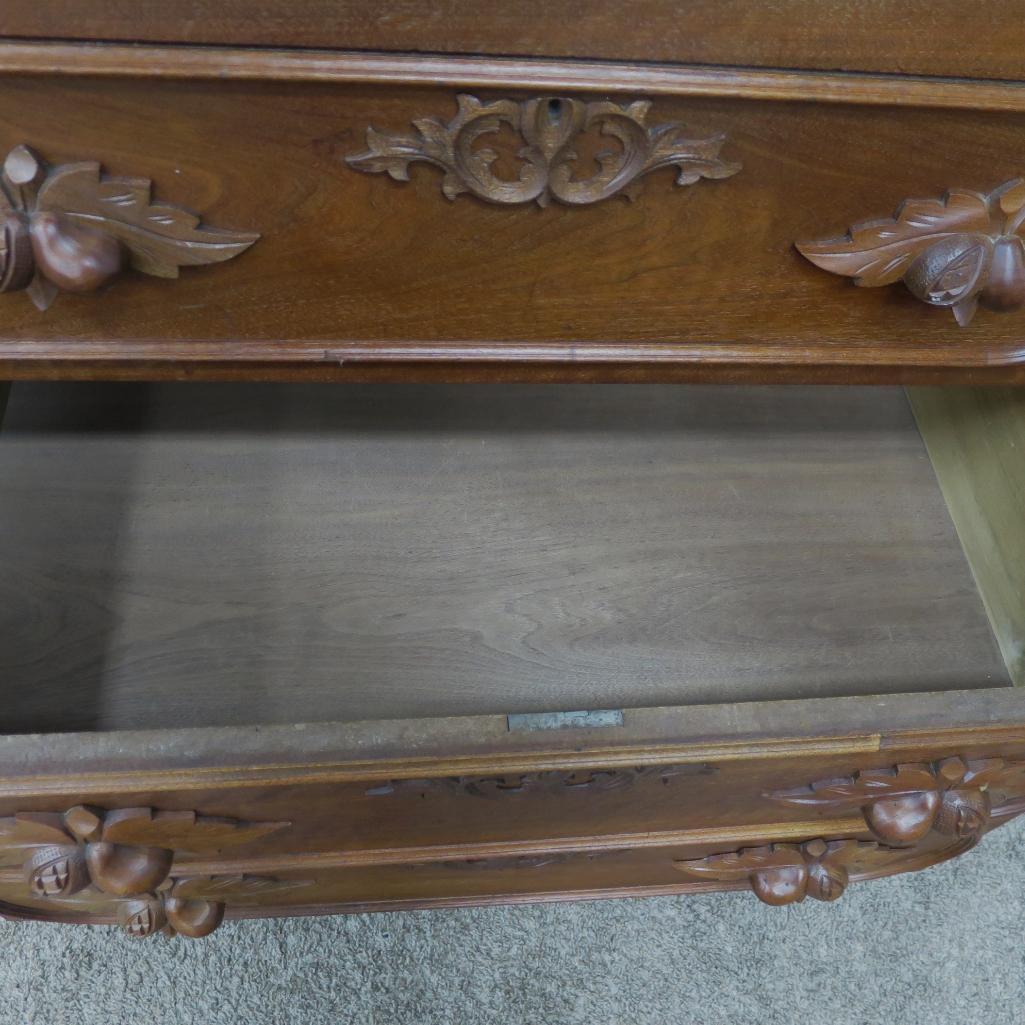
{"type": "Point", "coordinates": [324, 584]}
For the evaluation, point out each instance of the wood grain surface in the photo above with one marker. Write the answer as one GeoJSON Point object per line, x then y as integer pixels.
{"type": "Point", "coordinates": [356, 271]}
{"type": "Point", "coordinates": [938, 37]}
{"type": "Point", "coordinates": [207, 555]}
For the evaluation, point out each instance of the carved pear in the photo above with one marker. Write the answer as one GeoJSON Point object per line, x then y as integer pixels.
{"type": "Point", "coordinates": [75, 257]}
{"type": "Point", "coordinates": [902, 821]}
{"type": "Point", "coordinates": [193, 918]}
{"type": "Point", "coordinates": [124, 871]}
{"type": "Point", "coordinates": [780, 886]}
{"type": "Point", "coordinates": [1005, 289]}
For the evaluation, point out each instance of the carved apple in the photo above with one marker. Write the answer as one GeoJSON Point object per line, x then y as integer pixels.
{"type": "Point", "coordinates": [75, 257]}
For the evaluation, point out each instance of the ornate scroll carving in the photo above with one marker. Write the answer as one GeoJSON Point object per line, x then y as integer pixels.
{"type": "Point", "coordinates": [548, 128]}
{"type": "Point", "coordinates": [552, 782]}
{"type": "Point", "coordinates": [961, 251]}
{"type": "Point", "coordinates": [122, 853]}
{"type": "Point", "coordinates": [787, 873]}
{"type": "Point", "coordinates": [904, 803]}
{"type": "Point", "coordinates": [70, 228]}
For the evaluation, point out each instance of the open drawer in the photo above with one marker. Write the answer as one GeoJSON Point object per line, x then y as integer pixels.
{"type": "Point", "coordinates": [271, 649]}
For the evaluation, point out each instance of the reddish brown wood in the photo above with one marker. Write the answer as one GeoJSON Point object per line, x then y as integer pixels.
{"type": "Point", "coordinates": [691, 284]}
{"type": "Point", "coordinates": [241, 64]}
{"type": "Point", "coordinates": [907, 37]}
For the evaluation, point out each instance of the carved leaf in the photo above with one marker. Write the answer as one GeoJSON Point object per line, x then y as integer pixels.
{"type": "Point", "coordinates": [880, 252]}
{"type": "Point", "coordinates": [160, 238]}
{"type": "Point", "coordinates": [854, 791]}
{"type": "Point", "coordinates": [182, 830]}
{"type": "Point", "coordinates": [26, 830]}
{"type": "Point", "coordinates": [741, 864]}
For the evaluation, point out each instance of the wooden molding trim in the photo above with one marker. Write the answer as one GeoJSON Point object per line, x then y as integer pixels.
{"type": "Point", "coordinates": [295, 65]}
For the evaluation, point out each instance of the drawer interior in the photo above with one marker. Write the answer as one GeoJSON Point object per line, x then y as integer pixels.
{"type": "Point", "coordinates": [176, 555]}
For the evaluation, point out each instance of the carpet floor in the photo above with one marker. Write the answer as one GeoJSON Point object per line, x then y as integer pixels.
{"type": "Point", "coordinates": [939, 948]}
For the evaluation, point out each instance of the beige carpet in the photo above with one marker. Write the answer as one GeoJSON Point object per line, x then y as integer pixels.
{"type": "Point", "coordinates": [940, 948]}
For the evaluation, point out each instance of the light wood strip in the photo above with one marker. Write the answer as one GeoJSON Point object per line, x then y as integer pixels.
{"type": "Point", "coordinates": [976, 439]}
{"type": "Point", "coordinates": [283, 65]}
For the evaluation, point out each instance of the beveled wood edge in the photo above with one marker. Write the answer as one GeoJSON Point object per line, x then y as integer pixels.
{"type": "Point", "coordinates": [57, 355]}
{"type": "Point", "coordinates": [464, 372]}
{"type": "Point", "coordinates": [214, 757]}
{"type": "Point", "coordinates": [224, 63]}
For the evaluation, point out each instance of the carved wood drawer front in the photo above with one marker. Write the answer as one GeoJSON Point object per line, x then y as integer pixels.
{"type": "Point", "coordinates": [250, 822]}
{"type": "Point", "coordinates": [379, 230]}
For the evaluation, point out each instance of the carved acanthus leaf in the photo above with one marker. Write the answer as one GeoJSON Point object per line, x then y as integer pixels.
{"type": "Point", "coordinates": [548, 128]}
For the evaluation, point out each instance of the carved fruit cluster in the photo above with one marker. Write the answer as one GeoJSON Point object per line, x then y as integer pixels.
{"type": "Point", "coordinates": [960, 251]}
{"type": "Point", "coordinates": [904, 803]}
{"type": "Point", "coordinates": [70, 229]}
{"type": "Point", "coordinates": [782, 874]}
{"type": "Point", "coordinates": [124, 861]}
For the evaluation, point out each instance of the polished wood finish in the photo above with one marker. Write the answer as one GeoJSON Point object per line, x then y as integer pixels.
{"type": "Point", "coordinates": [975, 438]}
{"type": "Point", "coordinates": [935, 37]}
{"type": "Point", "coordinates": [416, 551]}
{"type": "Point", "coordinates": [704, 282]}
